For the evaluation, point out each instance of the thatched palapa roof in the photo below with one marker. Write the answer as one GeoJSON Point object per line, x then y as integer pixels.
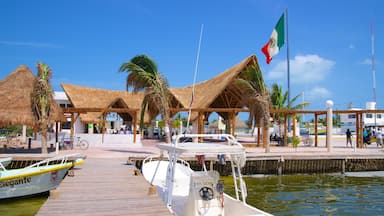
{"type": "Point", "coordinates": [15, 93]}
{"type": "Point", "coordinates": [85, 97]}
{"type": "Point", "coordinates": [219, 92]}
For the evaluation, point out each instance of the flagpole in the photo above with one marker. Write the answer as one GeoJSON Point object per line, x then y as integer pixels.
{"type": "Point", "coordinates": [195, 74]}
{"type": "Point", "coordinates": [288, 72]}
{"type": "Point", "coordinates": [373, 68]}
{"type": "Point", "coordinates": [288, 68]}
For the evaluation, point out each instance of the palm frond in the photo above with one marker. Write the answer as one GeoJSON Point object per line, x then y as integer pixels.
{"type": "Point", "coordinates": [280, 101]}
{"type": "Point", "coordinates": [254, 76]}
{"type": "Point", "coordinates": [246, 86]}
{"type": "Point", "coordinates": [254, 95]}
{"type": "Point", "coordinates": [41, 96]}
{"type": "Point", "coordinates": [300, 105]}
{"type": "Point", "coordinates": [124, 67]}
{"type": "Point", "coordinates": [292, 100]}
{"type": "Point", "coordinates": [143, 75]}
{"type": "Point", "coordinates": [146, 63]}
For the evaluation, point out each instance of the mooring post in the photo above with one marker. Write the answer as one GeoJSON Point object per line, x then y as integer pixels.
{"type": "Point", "coordinates": [343, 166]}
{"type": "Point", "coordinates": [57, 148]}
{"type": "Point", "coordinates": [280, 165]}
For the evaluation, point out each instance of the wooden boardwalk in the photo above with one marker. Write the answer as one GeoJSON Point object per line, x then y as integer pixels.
{"type": "Point", "coordinates": [103, 186]}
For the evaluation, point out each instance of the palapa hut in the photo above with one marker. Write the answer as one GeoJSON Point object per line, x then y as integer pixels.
{"type": "Point", "coordinates": [93, 104]}
{"type": "Point", "coordinates": [15, 92]}
{"type": "Point", "coordinates": [221, 94]}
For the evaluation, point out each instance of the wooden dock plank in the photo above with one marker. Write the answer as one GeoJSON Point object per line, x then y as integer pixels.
{"type": "Point", "coordinates": [104, 186]}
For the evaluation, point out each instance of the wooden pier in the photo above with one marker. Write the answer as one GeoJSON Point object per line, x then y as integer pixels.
{"type": "Point", "coordinates": [103, 186]}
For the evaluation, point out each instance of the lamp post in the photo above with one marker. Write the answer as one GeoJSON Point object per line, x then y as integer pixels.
{"type": "Point", "coordinates": [329, 105]}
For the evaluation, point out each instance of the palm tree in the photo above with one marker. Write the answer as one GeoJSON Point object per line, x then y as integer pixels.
{"type": "Point", "coordinates": [280, 101]}
{"type": "Point", "coordinates": [41, 98]}
{"type": "Point", "coordinates": [278, 98]}
{"type": "Point", "coordinates": [256, 98]}
{"type": "Point", "coordinates": [256, 95]}
{"type": "Point", "coordinates": [144, 76]}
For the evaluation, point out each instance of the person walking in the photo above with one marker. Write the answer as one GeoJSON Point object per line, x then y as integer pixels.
{"type": "Point", "coordinates": [379, 138]}
{"type": "Point", "coordinates": [349, 137]}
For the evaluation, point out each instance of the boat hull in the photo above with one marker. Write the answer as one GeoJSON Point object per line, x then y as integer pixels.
{"type": "Point", "coordinates": [156, 172]}
{"type": "Point", "coordinates": [35, 181]}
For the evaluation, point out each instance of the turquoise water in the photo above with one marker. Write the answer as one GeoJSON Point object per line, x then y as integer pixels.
{"type": "Point", "coordinates": [315, 194]}
{"type": "Point", "coordinates": [22, 206]}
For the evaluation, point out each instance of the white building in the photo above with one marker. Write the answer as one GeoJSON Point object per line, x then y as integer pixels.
{"type": "Point", "coordinates": [62, 100]}
{"type": "Point", "coordinates": [348, 121]}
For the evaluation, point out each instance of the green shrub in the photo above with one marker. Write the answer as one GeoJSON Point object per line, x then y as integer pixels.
{"type": "Point", "coordinates": [295, 141]}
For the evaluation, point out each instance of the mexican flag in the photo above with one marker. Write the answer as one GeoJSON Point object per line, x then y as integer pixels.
{"type": "Point", "coordinates": [276, 41]}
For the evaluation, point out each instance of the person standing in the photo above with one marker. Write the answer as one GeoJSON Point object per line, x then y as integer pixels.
{"type": "Point", "coordinates": [349, 137]}
{"type": "Point", "coordinates": [379, 138]}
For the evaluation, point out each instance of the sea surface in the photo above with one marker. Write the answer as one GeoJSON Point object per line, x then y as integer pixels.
{"type": "Point", "coordinates": [26, 206]}
{"type": "Point", "coordinates": [350, 194]}
{"type": "Point", "coordinates": [325, 194]}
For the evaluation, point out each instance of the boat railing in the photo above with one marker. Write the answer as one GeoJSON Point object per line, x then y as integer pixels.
{"type": "Point", "coordinates": [62, 159]}
{"type": "Point", "coordinates": [162, 158]}
{"type": "Point", "coordinates": [231, 140]}
{"type": "Point", "coordinates": [4, 162]}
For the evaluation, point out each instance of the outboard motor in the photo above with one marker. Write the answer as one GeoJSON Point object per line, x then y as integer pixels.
{"type": "Point", "coordinates": [206, 194]}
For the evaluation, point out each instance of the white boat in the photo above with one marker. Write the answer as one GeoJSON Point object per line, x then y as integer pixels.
{"type": "Point", "coordinates": [37, 178]}
{"type": "Point", "coordinates": [191, 193]}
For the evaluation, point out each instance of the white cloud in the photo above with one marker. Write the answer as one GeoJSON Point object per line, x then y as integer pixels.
{"type": "Point", "coordinates": [30, 44]}
{"type": "Point", "coordinates": [319, 93]}
{"type": "Point", "coordinates": [303, 69]}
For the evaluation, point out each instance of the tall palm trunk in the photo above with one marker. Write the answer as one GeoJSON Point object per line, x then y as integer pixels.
{"type": "Point", "coordinates": [41, 100]}
{"type": "Point", "coordinates": [166, 116]}
{"type": "Point", "coordinates": [44, 139]}
{"type": "Point", "coordinates": [44, 130]}
{"type": "Point", "coordinates": [264, 102]}
{"type": "Point", "coordinates": [167, 128]}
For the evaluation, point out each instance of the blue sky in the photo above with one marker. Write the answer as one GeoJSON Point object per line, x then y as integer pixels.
{"type": "Point", "coordinates": [85, 42]}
